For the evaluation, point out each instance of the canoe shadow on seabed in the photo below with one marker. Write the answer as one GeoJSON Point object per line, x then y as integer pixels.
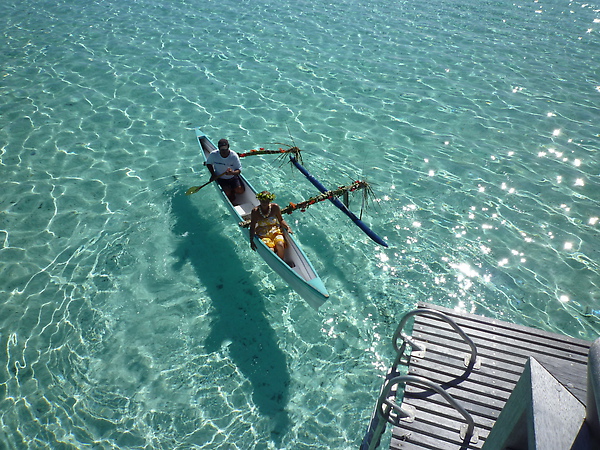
{"type": "Point", "coordinates": [239, 313]}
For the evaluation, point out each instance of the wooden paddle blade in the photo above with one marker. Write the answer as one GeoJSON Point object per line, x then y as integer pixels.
{"type": "Point", "coordinates": [192, 190]}
{"type": "Point", "coordinates": [195, 189]}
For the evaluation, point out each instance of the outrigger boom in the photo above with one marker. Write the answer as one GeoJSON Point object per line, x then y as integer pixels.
{"type": "Point", "coordinates": [359, 223]}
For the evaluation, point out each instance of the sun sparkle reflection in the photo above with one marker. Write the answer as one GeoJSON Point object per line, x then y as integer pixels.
{"type": "Point", "coordinates": [465, 269]}
{"type": "Point", "coordinates": [383, 257]}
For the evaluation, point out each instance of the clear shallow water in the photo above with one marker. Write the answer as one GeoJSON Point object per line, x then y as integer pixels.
{"type": "Point", "coordinates": [132, 316]}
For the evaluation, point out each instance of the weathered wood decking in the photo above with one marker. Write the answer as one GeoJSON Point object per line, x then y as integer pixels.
{"type": "Point", "coordinates": [503, 350]}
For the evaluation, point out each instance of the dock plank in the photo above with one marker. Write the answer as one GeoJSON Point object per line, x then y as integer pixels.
{"type": "Point", "coordinates": [503, 350]}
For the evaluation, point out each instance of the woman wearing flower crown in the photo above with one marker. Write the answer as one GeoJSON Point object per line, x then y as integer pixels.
{"type": "Point", "coordinates": [266, 222]}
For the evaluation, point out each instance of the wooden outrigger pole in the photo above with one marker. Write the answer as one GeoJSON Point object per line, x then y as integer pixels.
{"type": "Point", "coordinates": [327, 195]}
{"type": "Point", "coordinates": [359, 223]}
{"type": "Point", "coordinates": [293, 151]}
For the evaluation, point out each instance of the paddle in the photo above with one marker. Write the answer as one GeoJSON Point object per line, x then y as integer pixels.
{"type": "Point", "coordinates": [195, 189]}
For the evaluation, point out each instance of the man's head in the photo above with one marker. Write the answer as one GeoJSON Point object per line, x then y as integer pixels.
{"type": "Point", "coordinates": [223, 147]}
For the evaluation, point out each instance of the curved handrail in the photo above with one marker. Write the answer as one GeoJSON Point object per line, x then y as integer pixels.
{"type": "Point", "coordinates": [400, 413]}
{"type": "Point", "coordinates": [431, 312]}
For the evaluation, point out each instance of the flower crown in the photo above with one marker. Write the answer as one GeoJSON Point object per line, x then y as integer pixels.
{"type": "Point", "coordinates": [265, 195]}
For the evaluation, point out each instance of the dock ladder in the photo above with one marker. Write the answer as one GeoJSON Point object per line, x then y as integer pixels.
{"type": "Point", "coordinates": [387, 410]}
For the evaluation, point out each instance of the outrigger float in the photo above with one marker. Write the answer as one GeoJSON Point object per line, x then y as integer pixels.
{"type": "Point", "coordinates": [295, 268]}
{"type": "Point", "coordinates": [336, 201]}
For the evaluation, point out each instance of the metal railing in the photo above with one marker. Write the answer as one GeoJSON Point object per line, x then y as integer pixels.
{"type": "Point", "coordinates": [388, 411]}
{"type": "Point", "coordinates": [393, 413]}
{"type": "Point", "coordinates": [420, 348]}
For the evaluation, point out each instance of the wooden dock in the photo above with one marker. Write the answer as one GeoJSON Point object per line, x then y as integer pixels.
{"type": "Point", "coordinates": [503, 350]}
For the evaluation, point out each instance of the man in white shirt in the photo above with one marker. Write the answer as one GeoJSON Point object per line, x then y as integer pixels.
{"type": "Point", "coordinates": [225, 166]}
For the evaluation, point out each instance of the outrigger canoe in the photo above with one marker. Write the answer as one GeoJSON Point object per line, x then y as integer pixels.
{"type": "Point", "coordinates": [295, 269]}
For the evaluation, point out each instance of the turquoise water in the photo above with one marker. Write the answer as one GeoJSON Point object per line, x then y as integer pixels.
{"type": "Point", "coordinates": [132, 316]}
